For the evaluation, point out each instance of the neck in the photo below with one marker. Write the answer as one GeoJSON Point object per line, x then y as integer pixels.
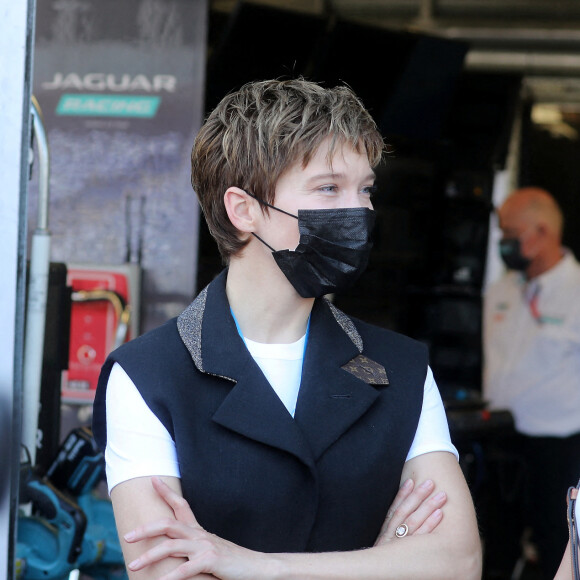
{"type": "Point", "coordinates": [544, 262]}
{"type": "Point", "coordinates": [266, 306]}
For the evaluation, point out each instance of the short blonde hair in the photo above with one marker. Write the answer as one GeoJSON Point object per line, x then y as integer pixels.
{"type": "Point", "coordinates": [257, 132]}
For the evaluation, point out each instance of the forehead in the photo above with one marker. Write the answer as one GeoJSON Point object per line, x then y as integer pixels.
{"type": "Point", "coordinates": [343, 157]}
{"type": "Point", "coordinates": [513, 217]}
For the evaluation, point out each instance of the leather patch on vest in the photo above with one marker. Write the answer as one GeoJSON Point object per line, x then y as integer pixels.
{"type": "Point", "coordinates": [367, 370]}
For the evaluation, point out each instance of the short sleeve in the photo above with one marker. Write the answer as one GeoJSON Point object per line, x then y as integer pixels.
{"type": "Point", "coordinates": [432, 431]}
{"type": "Point", "coordinates": [138, 444]}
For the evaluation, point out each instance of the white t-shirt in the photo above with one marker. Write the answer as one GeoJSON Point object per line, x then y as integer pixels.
{"type": "Point", "coordinates": [532, 349]}
{"type": "Point", "coordinates": [139, 445]}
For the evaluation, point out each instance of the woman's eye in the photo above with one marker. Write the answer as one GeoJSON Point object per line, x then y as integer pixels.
{"type": "Point", "coordinates": [369, 190]}
{"type": "Point", "coordinates": [328, 188]}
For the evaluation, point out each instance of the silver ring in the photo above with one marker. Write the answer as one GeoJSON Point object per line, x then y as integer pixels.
{"type": "Point", "coordinates": [402, 531]}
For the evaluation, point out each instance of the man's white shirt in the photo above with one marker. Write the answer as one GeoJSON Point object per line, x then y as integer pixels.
{"type": "Point", "coordinates": [532, 349]}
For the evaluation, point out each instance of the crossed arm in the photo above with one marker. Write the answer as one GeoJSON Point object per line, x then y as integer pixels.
{"type": "Point", "coordinates": [565, 569]}
{"type": "Point", "coordinates": [162, 539]}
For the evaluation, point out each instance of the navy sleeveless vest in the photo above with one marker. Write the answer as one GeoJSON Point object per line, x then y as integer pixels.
{"type": "Point", "coordinates": [321, 481]}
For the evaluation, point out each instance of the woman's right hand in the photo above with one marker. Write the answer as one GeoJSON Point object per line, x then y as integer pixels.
{"type": "Point", "coordinates": [414, 507]}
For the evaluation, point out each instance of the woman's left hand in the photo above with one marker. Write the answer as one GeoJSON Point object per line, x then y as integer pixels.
{"type": "Point", "coordinates": [206, 553]}
{"type": "Point", "coordinates": [415, 508]}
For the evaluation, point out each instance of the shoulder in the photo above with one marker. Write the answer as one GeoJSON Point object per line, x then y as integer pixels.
{"type": "Point", "coordinates": [573, 266]}
{"type": "Point", "coordinates": [151, 358]}
{"type": "Point", "coordinates": [373, 334]}
{"type": "Point", "coordinates": [144, 352]}
{"type": "Point", "coordinates": [404, 357]}
{"type": "Point", "coordinates": [400, 354]}
{"type": "Point", "coordinates": [141, 360]}
{"type": "Point", "coordinates": [154, 358]}
{"type": "Point", "coordinates": [158, 338]}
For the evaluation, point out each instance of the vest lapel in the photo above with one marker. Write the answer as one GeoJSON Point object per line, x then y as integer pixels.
{"type": "Point", "coordinates": [251, 408]}
{"type": "Point", "coordinates": [331, 399]}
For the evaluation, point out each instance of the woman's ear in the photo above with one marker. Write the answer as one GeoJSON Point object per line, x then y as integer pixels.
{"type": "Point", "coordinates": [240, 209]}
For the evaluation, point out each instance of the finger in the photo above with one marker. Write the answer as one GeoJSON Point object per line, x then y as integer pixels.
{"type": "Point", "coordinates": [188, 571]}
{"type": "Point", "coordinates": [430, 523]}
{"type": "Point", "coordinates": [176, 502]}
{"type": "Point", "coordinates": [166, 527]}
{"type": "Point", "coordinates": [422, 521]}
{"type": "Point", "coordinates": [179, 574]}
{"type": "Point", "coordinates": [404, 492]}
{"type": "Point", "coordinates": [408, 506]}
{"type": "Point", "coordinates": [425, 510]}
{"type": "Point", "coordinates": [169, 548]}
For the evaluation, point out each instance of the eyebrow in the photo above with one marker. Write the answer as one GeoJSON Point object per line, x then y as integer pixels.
{"type": "Point", "coordinates": [332, 175]}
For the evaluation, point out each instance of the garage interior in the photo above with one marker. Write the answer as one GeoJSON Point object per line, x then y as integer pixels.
{"type": "Point", "coordinates": [473, 98]}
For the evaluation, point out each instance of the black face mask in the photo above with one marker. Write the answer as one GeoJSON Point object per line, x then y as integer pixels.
{"type": "Point", "coordinates": [511, 254]}
{"type": "Point", "coordinates": [333, 251]}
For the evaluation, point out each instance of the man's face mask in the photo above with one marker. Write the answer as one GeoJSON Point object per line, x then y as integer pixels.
{"type": "Point", "coordinates": [511, 254]}
{"type": "Point", "coordinates": [333, 250]}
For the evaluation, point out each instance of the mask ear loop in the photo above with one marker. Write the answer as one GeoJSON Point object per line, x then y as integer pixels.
{"type": "Point", "coordinates": [265, 243]}
{"type": "Point", "coordinates": [272, 207]}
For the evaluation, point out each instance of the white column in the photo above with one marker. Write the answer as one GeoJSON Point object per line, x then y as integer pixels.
{"type": "Point", "coordinates": [16, 44]}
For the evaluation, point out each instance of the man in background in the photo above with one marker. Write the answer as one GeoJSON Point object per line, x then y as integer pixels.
{"type": "Point", "coordinates": [532, 358]}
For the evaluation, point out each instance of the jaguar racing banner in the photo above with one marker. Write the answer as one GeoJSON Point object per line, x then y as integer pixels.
{"type": "Point", "coordinates": [120, 85]}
